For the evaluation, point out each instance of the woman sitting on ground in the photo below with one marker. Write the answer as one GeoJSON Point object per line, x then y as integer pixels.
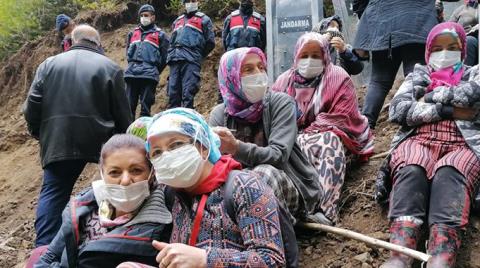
{"type": "Point", "coordinates": [331, 128]}
{"type": "Point", "coordinates": [434, 163]}
{"type": "Point", "coordinates": [117, 220]}
{"type": "Point", "coordinates": [264, 131]}
{"type": "Point", "coordinates": [185, 155]}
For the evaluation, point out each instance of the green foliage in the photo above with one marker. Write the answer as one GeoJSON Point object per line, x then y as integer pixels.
{"type": "Point", "coordinates": [17, 24]}
{"type": "Point", "coordinates": [175, 6]}
{"type": "Point", "coordinates": [24, 20]}
{"type": "Point", "coordinates": [51, 8]}
{"type": "Point", "coordinates": [96, 4]}
{"type": "Point", "coordinates": [213, 8]}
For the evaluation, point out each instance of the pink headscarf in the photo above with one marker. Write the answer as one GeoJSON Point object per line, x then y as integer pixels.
{"type": "Point", "coordinates": [229, 81]}
{"type": "Point", "coordinates": [333, 104]}
{"type": "Point", "coordinates": [450, 76]}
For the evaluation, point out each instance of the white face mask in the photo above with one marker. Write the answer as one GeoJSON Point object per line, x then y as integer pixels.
{"type": "Point", "coordinates": [310, 68]}
{"type": "Point", "coordinates": [191, 7]}
{"type": "Point", "coordinates": [179, 168]}
{"type": "Point", "coordinates": [444, 59]}
{"type": "Point", "coordinates": [255, 86]}
{"type": "Point", "coordinates": [332, 29]}
{"type": "Point", "coordinates": [145, 21]}
{"type": "Point", "coordinates": [124, 198]}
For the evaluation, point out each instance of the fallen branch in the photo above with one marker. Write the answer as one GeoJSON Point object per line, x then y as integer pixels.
{"type": "Point", "coordinates": [368, 240]}
{"type": "Point", "coordinates": [365, 194]}
{"type": "Point", "coordinates": [380, 155]}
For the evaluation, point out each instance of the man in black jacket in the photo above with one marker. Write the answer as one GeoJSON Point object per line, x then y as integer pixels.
{"type": "Point", "coordinates": [76, 102]}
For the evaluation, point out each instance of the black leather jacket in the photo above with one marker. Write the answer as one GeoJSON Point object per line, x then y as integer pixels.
{"type": "Point", "coordinates": [77, 101]}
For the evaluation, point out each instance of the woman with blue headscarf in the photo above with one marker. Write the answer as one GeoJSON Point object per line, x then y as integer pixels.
{"type": "Point", "coordinates": [186, 157]}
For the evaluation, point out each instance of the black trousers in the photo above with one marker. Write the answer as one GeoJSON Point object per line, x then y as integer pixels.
{"type": "Point", "coordinates": [446, 199]}
{"type": "Point", "coordinates": [143, 89]}
{"type": "Point", "coordinates": [472, 51]}
{"type": "Point", "coordinates": [385, 65]}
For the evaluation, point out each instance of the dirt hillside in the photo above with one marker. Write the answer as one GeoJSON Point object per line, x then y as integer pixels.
{"type": "Point", "coordinates": [20, 171]}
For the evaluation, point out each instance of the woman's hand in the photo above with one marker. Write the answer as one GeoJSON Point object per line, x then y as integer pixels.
{"type": "Point", "coordinates": [229, 144]}
{"type": "Point", "coordinates": [338, 44]}
{"type": "Point", "coordinates": [467, 114]}
{"type": "Point", "coordinates": [180, 255]}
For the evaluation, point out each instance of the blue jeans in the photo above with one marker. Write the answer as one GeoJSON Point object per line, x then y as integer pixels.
{"type": "Point", "coordinates": [58, 181]}
{"type": "Point", "coordinates": [183, 84]}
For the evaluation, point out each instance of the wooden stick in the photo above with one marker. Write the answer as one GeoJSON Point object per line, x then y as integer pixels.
{"type": "Point", "coordinates": [380, 155]}
{"type": "Point", "coordinates": [368, 240]}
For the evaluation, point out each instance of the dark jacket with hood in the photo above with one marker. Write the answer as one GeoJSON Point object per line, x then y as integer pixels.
{"type": "Point", "coordinates": [146, 52]}
{"type": "Point", "coordinates": [131, 241]}
{"type": "Point", "coordinates": [282, 150]}
{"type": "Point", "coordinates": [347, 59]}
{"type": "Point", "coordinates": [76, 102]}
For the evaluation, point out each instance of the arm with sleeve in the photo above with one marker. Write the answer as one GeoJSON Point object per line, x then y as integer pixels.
{"type": "Point", "coordinates": [465, 95]}
{"type": "Point", "coordinates": [164, 44]}
{"type": "Point", "coordinates": [52, 258]}
{"type": "Point", "coordinates": [263, 34]}
{"type": "Point", "coordinates": [226, 31]}
{"type": "Point", "coordinates": [350, 62]}
{"type": "Point", "coordinates": [120, 109]}
{"type": "Point", "coordinates": [406, 110]}
{"type": "Point", "coordinates": [209, 36]}
{"type": "Point", "coordinates": [260, 229]}
{"type": "Point", "coordinates": [283, 132]}
{"type": "Point", "coordinates": [129, 36]}
{"type": "Point", "coordinates": [32, 108]}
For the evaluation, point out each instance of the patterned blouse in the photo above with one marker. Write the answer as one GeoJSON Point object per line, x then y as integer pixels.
{"type": "Point", "coordinates": [253, 239]}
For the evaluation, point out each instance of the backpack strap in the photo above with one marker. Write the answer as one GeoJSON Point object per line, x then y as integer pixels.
{"type": "Point", "coordinates": [228, 200]}
{"type": "Point", "coordinates": [169, 197]}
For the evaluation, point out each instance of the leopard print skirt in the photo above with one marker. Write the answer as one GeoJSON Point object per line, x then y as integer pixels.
{"type": "Point", "coordinates": [327, 154]}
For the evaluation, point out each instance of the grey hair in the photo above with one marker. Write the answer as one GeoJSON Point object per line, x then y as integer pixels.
{"type": "Point", "coordinates": [85, 32]}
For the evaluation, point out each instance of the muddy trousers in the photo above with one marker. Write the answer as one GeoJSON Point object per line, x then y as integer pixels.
{"type": "Point", "coordinates": [58, 181]}
{"type": "Point", "coordinates": [183, 84]}
{"type": "Point", "coordinates": [141, 89]}
{"type": "Point", "coordinates": [385, 64]}
{"type": "Point", "coordinates": [446, 200]}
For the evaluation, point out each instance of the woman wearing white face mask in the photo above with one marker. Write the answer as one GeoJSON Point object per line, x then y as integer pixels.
{"type": "Point", "coordinates": [118, 219]}
{"type": "Point", "coordinates": [185, 155]}
{"type": "Point", "coordinates": [330, 124]}
{"type": "Point", "coordinates": [434, 168]}
{"type": "Point", "coordinates": [265, 131]}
